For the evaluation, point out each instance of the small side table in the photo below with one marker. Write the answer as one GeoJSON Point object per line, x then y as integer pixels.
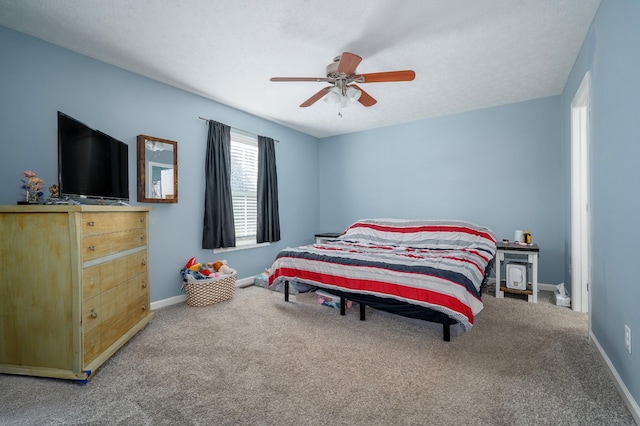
{"type": "Point", "coordinates": [327, 236]}
{"type": "Point", "coordinates": [520, 250]}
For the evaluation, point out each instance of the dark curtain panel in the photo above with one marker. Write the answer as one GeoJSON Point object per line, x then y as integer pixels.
{"type": "Point", "coordinates": [218, 230]}
{"type": "Point", "coordinates": [268, 214]}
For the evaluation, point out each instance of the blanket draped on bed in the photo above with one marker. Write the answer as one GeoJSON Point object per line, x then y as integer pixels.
{"type": "Point", "coordinates": [435, 264]}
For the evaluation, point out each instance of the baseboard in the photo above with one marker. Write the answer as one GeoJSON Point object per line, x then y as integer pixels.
{"type": "Point", "coordinates": [168, 302]}
{"type": "Point", "coordinates": [546, 287]}
{"type": "Point", "coordinates": [541, 286]}
{"type": "Point", "coordinates": [632, 405]}
{"type": "Point", "coordinates": [244, 282]}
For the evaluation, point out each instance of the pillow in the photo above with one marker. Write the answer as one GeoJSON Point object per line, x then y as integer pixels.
{"type": "Point", "coordinates": [421, 233]}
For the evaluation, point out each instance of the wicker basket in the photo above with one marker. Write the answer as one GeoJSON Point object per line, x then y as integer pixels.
{"type": "Point", "coordinates": [209, 291]}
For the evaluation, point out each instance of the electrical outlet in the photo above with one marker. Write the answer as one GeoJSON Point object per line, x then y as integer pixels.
{"type": "Point", "coordinates": [627, 338]}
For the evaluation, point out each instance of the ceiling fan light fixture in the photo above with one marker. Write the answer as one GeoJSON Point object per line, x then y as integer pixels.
{"type": "Point", "coordinates": [336, 97]}
{"type": "Point", "coordinates": [341, 73]}
{"type": "Point", "coordinates": [333, 97]}
{"type": "Point", "coordinates": [353, 94]}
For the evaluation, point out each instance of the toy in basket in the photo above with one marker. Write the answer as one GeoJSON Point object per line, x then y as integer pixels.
{"type": "Point", "coordinates": [207, 284]}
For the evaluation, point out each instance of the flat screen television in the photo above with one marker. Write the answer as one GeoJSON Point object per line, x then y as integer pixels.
{"type": "Point", "coordinates": [91, 164]}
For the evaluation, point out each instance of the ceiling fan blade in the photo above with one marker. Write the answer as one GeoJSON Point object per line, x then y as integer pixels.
{"type": "Point", "coordinates": [313, 99]}
{"type": "Point", "coordinates": [382, 77]}
{"type": "Point", "coordinates": [298, 79]}
{"type": "Point", "coordinates": [365, 98]}
{"type": "Point", "coordinates": [348, 63]}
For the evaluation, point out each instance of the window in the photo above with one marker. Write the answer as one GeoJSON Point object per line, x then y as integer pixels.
{"type": "Point", "coordinates": [244, 186]}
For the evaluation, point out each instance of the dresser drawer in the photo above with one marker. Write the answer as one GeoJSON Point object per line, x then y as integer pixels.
{"type": "Point", "coordinates": [137, 264]}
{"type": "Point", "coordinates": [92, 344]}
{"type": "Point", "coordinates": [98, 278]}
{"type": "Point", "coordinates": [104, 276]}
{"type": "Point", "coordinates": [104, 223]}
{"type": "Point", "coordinates": [91, 313]}
{"type": "Point", "coordinates": [109, 313]}
{"type": "Point", "coordinates": [138, 287]}
{"type": "Point", "coordinates": [137, 309]}
{"type": "Point", "coordinates": [97, 246]}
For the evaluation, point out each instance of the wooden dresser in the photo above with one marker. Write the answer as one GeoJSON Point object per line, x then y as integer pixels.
{"type": "Point", "coordinates": [74, 286]}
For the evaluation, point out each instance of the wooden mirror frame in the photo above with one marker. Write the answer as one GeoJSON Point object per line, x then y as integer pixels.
{"type": "Point", "coordinates": [145, 159]}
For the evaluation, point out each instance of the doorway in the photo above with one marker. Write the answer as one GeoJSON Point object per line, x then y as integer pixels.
{"type": "Point", "coordinates": [580, 209]}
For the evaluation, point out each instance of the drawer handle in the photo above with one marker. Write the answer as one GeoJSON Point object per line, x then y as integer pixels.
{"type": "Point", "coordinates": [142, 219]}
{"type": "Point", "coordinates": [92, 248]}
{"type": "Point", "coordinates": [94, 314]}
{"type": "Point", "coordinates": [144, 307]}
{"type": "Point", "coordinates": [142, 237]}
{"type": "Point", "coordinates": [92, 223]}
{"type": "Point", "coordinates": [144, 285]}
{"type": "Point", "coordinates": [143, 261]}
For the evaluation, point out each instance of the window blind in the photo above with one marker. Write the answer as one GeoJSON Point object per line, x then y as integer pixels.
{"type": "Point", "coordinates": [244, 180]}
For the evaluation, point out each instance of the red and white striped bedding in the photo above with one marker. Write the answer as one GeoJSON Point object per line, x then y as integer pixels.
{"type": "Point", "coordinates": [432, 263]}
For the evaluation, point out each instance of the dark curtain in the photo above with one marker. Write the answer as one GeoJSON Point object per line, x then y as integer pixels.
{"type": "Point", "coordinates": [219, 229]}
{"type": "Point", "coordinates": [268, 214]}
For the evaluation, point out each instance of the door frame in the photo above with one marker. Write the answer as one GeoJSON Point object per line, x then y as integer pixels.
{"type": "Point", "coordinates": [580, 271]}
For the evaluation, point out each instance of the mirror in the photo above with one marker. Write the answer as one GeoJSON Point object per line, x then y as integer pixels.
{"type": "Point", "coordinates": [157, 170]}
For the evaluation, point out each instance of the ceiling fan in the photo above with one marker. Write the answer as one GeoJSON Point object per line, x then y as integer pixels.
{"type": "Point", "coordinates": [341, 74]}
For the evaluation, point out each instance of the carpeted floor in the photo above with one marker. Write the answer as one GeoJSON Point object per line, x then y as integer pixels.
{"type": "Point", "coordinates": [256, 360]}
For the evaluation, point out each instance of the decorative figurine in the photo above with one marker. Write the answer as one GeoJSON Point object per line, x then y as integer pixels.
{"type": "Point", "coordinates": [54, 191]}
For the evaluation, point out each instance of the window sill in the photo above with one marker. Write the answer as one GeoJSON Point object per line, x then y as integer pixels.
{"type": "Point", "coordinates": [241, 246]}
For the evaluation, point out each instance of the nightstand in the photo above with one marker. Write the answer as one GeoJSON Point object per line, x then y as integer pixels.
{"type": "Point", "coordinates": [521, 253]}
{"type": "Point", "coordinates": [327, 236]}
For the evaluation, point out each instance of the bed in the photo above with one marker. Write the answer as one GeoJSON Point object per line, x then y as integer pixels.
{"type": "Point", "coordinates": [426, 269]}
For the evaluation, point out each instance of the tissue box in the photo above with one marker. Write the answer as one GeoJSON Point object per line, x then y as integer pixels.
{"type": "Point", "coordinates": [562, 298]}
{"type": "Point", "coordinates": [330, 300]}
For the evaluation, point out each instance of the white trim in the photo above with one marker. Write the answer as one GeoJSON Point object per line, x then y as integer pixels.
{"type": "Point", "coordinates": [632, 405]}
{"type": "Point", "coordinates": [149, 182]}
{"type": "Point", "coordinates": [168, 302]}
{"type": "Point", "coordinates": [541, 286]}
{"type": "Point", "coordinates": [243, 282]}
{"type": "Point", "coordinates": [580, 220]}
{"type": "Point", "coordinates": [240, 247]}
{"type": "Point", "coordinates": [547, 287]}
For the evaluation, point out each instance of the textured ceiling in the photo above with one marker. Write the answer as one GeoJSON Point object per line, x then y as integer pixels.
{"type": "Point", "coordinates": [467, 54]}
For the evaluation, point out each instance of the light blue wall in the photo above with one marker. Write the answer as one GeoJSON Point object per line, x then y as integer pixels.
{"type": "Point", "coordinates": [611, 52]}
{"type": "Point", "coordinates": [500, 167]}
{"type": "Point", "coordinates": [507, 167]}
{"type": "Point", "coordinates": [37, 79]}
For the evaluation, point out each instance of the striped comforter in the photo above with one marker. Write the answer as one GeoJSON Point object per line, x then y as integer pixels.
{"type": "Point", "coordinates": [432, 263]}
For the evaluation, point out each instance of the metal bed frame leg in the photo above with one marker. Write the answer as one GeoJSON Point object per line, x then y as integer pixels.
{"type": "Point", "coordinates": [343, 308]}
{"type": "Point", "coordinates": [446, 328]}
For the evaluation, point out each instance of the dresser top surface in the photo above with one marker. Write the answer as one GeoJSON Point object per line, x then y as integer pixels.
{"type": "Point", "coordinates": [62, 208]}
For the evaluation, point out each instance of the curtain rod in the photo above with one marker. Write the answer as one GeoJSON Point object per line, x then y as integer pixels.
{"type": "Point", "coordinates": [251, 133]}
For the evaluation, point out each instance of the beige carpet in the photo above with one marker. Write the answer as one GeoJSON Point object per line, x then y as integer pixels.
{"type": "Point", "coordinates": [256, 360]}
